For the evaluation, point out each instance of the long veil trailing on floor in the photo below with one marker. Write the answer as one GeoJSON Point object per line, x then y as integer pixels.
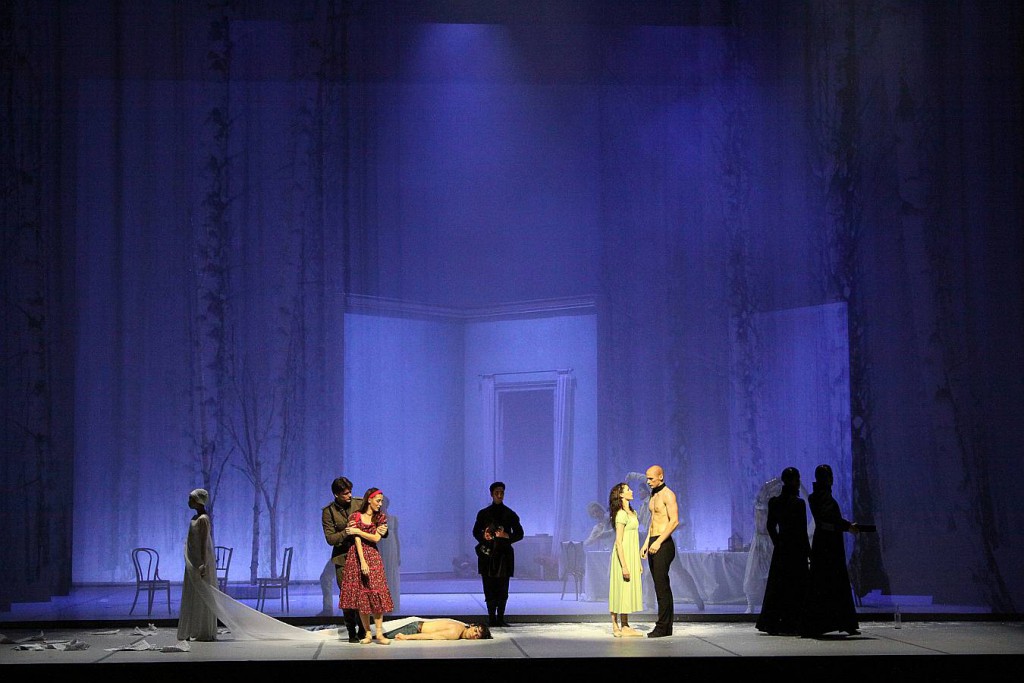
{"type": "Point", "coordinates": [245, 623]}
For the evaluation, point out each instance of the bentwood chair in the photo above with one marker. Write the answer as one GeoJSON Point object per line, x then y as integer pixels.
{"type": "Point", "coordinates": [147, 578]}
{"type": "Point", "coordinates": [279, 583]}
{"type": "Point", "coordinates": [573, 564]}
{"type": "Point", "coordinates": [224, 554]}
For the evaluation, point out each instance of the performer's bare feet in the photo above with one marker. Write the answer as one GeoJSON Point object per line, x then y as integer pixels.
{"type": "Point", "coordinates": [630, 632]}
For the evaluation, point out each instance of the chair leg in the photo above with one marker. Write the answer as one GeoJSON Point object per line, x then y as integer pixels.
{"type": "Point", "coordinates": [149, 608]}
{"type": "Point", "coordinates": [135, 600]}
{"type": "Point", "coordinates": [168, 599]}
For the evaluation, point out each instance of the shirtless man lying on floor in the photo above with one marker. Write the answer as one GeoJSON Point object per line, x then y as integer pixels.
{"type": "Point", "coordinates": [440, 629]}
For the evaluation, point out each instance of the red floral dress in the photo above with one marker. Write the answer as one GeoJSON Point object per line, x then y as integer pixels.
{"type": "Point", "coordinates": [367, 593]}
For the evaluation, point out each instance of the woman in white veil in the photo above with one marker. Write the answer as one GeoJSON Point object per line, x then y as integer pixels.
{"type": "Point", "coordinates": [202, 604]}
{"type": "Point", "coordinates": [196, 621]}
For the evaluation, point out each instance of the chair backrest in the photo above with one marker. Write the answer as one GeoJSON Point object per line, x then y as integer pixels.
{"type": "Point", "coordinates": [569, 558]}
{"type": "Point", "coordinates": [581, 556]}
{"type": "Point", "coordinates": [223, 558]}
{"type": "Point", "coordinates": [224, 554]}
{"type": "Point", "coordinates": [573, 556]}
{"type": "Point", "coordinates": [286, 566]}
{"type": "Point", "coordinates": [147, 564]}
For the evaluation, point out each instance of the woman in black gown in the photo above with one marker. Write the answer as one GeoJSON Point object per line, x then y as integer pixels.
{"type": "Point", "coordinates": [830, 598]}
{"type": "Point", "coordinates": [787, 576]}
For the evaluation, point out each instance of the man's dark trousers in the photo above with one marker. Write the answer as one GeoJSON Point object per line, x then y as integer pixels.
{"type": "Point", "coordinates": [659, 564]}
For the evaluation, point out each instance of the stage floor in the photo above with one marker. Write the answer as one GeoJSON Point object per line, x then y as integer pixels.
{"type": "Point", "coordinates": [946, 650]}
{"type": "Point", "coordinates": [550, 636]}
{"type": "Point", "coordinates": [531, 600]}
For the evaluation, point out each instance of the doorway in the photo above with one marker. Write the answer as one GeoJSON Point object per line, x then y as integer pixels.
{"type": "Point", "coordinates": [525, 453]}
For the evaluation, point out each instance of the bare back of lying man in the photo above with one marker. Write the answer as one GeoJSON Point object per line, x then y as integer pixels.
{"type": "Point", "coordinates": [441, 629]}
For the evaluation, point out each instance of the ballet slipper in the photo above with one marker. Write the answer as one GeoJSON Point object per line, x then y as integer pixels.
{"type": "Point", "coordinates": [384, 640]}
{"type": "Point", "coordinates": [616, 632]}
{"type": "Point", "coordinates": [630, 632]}
{"type": "Point", "coordinates": [367, 640]}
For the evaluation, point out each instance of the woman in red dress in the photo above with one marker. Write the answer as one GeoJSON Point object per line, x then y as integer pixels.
{"type": "Point", "coordinates": [364, 586]}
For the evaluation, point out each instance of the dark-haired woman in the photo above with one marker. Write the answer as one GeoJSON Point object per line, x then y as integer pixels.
{"type": "Point", "coordinates": [625, 594]}
{"type": "Point", "coordinates": [364, 582]}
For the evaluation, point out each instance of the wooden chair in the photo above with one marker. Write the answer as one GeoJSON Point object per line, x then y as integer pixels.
{"type": "Point", "coordinates": [147, 577]}
{"type": "Point", "coordinates": [573, 564]}
{"type": "Point", "coordinates": [224, 554]}
{"type": "Point", "coordinates": [279, 583]}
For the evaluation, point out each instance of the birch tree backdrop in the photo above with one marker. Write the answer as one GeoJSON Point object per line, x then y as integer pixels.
{"type": "Point", "coordinates": [253, 246]}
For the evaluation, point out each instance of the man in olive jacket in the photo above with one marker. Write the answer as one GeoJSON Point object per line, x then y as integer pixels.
{"type": "Point", "coordinates": [339, 537]}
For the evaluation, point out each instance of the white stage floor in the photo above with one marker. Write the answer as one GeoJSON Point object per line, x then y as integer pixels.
{"type": "Point", "coordinates": [531, 600]}
{"type": "Point", "coordinates": [948, 650]}
{"type": "Point", "coordinates": [550, 636]}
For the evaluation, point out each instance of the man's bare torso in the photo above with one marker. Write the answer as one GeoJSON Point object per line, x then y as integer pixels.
{"type": "Point", "coordinates": [659, 511]}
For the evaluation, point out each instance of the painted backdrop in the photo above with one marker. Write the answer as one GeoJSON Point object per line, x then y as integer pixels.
{"type": "Point", "coordinates": [253, 246]}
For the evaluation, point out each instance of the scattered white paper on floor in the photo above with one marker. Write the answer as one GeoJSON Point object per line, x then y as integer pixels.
{"type": "Point", "coordinates": [137, 646]}
{"type": "Point", "coordinates": [145, 646]}
{"type": "Point", "coordinates": [112, 632]}
{"type": "Point", "coordinates": [61, 645]}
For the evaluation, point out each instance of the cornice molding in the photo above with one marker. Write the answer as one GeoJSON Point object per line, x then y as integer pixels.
{"type": "Point", "coordinates": [539, 308]}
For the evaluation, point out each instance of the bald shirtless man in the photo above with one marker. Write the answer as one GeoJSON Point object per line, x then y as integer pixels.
{"type": "Point", "coordinates": [440, 629]}
{"type": "Point", "coordinates": [659, 548]}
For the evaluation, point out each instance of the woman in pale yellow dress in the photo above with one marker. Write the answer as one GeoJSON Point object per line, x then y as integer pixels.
{"type": "Point", "coordinates": [625, 594]}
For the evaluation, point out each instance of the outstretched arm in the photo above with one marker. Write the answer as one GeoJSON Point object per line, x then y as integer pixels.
{"type": "Point", "coordinates": [829, 518]}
